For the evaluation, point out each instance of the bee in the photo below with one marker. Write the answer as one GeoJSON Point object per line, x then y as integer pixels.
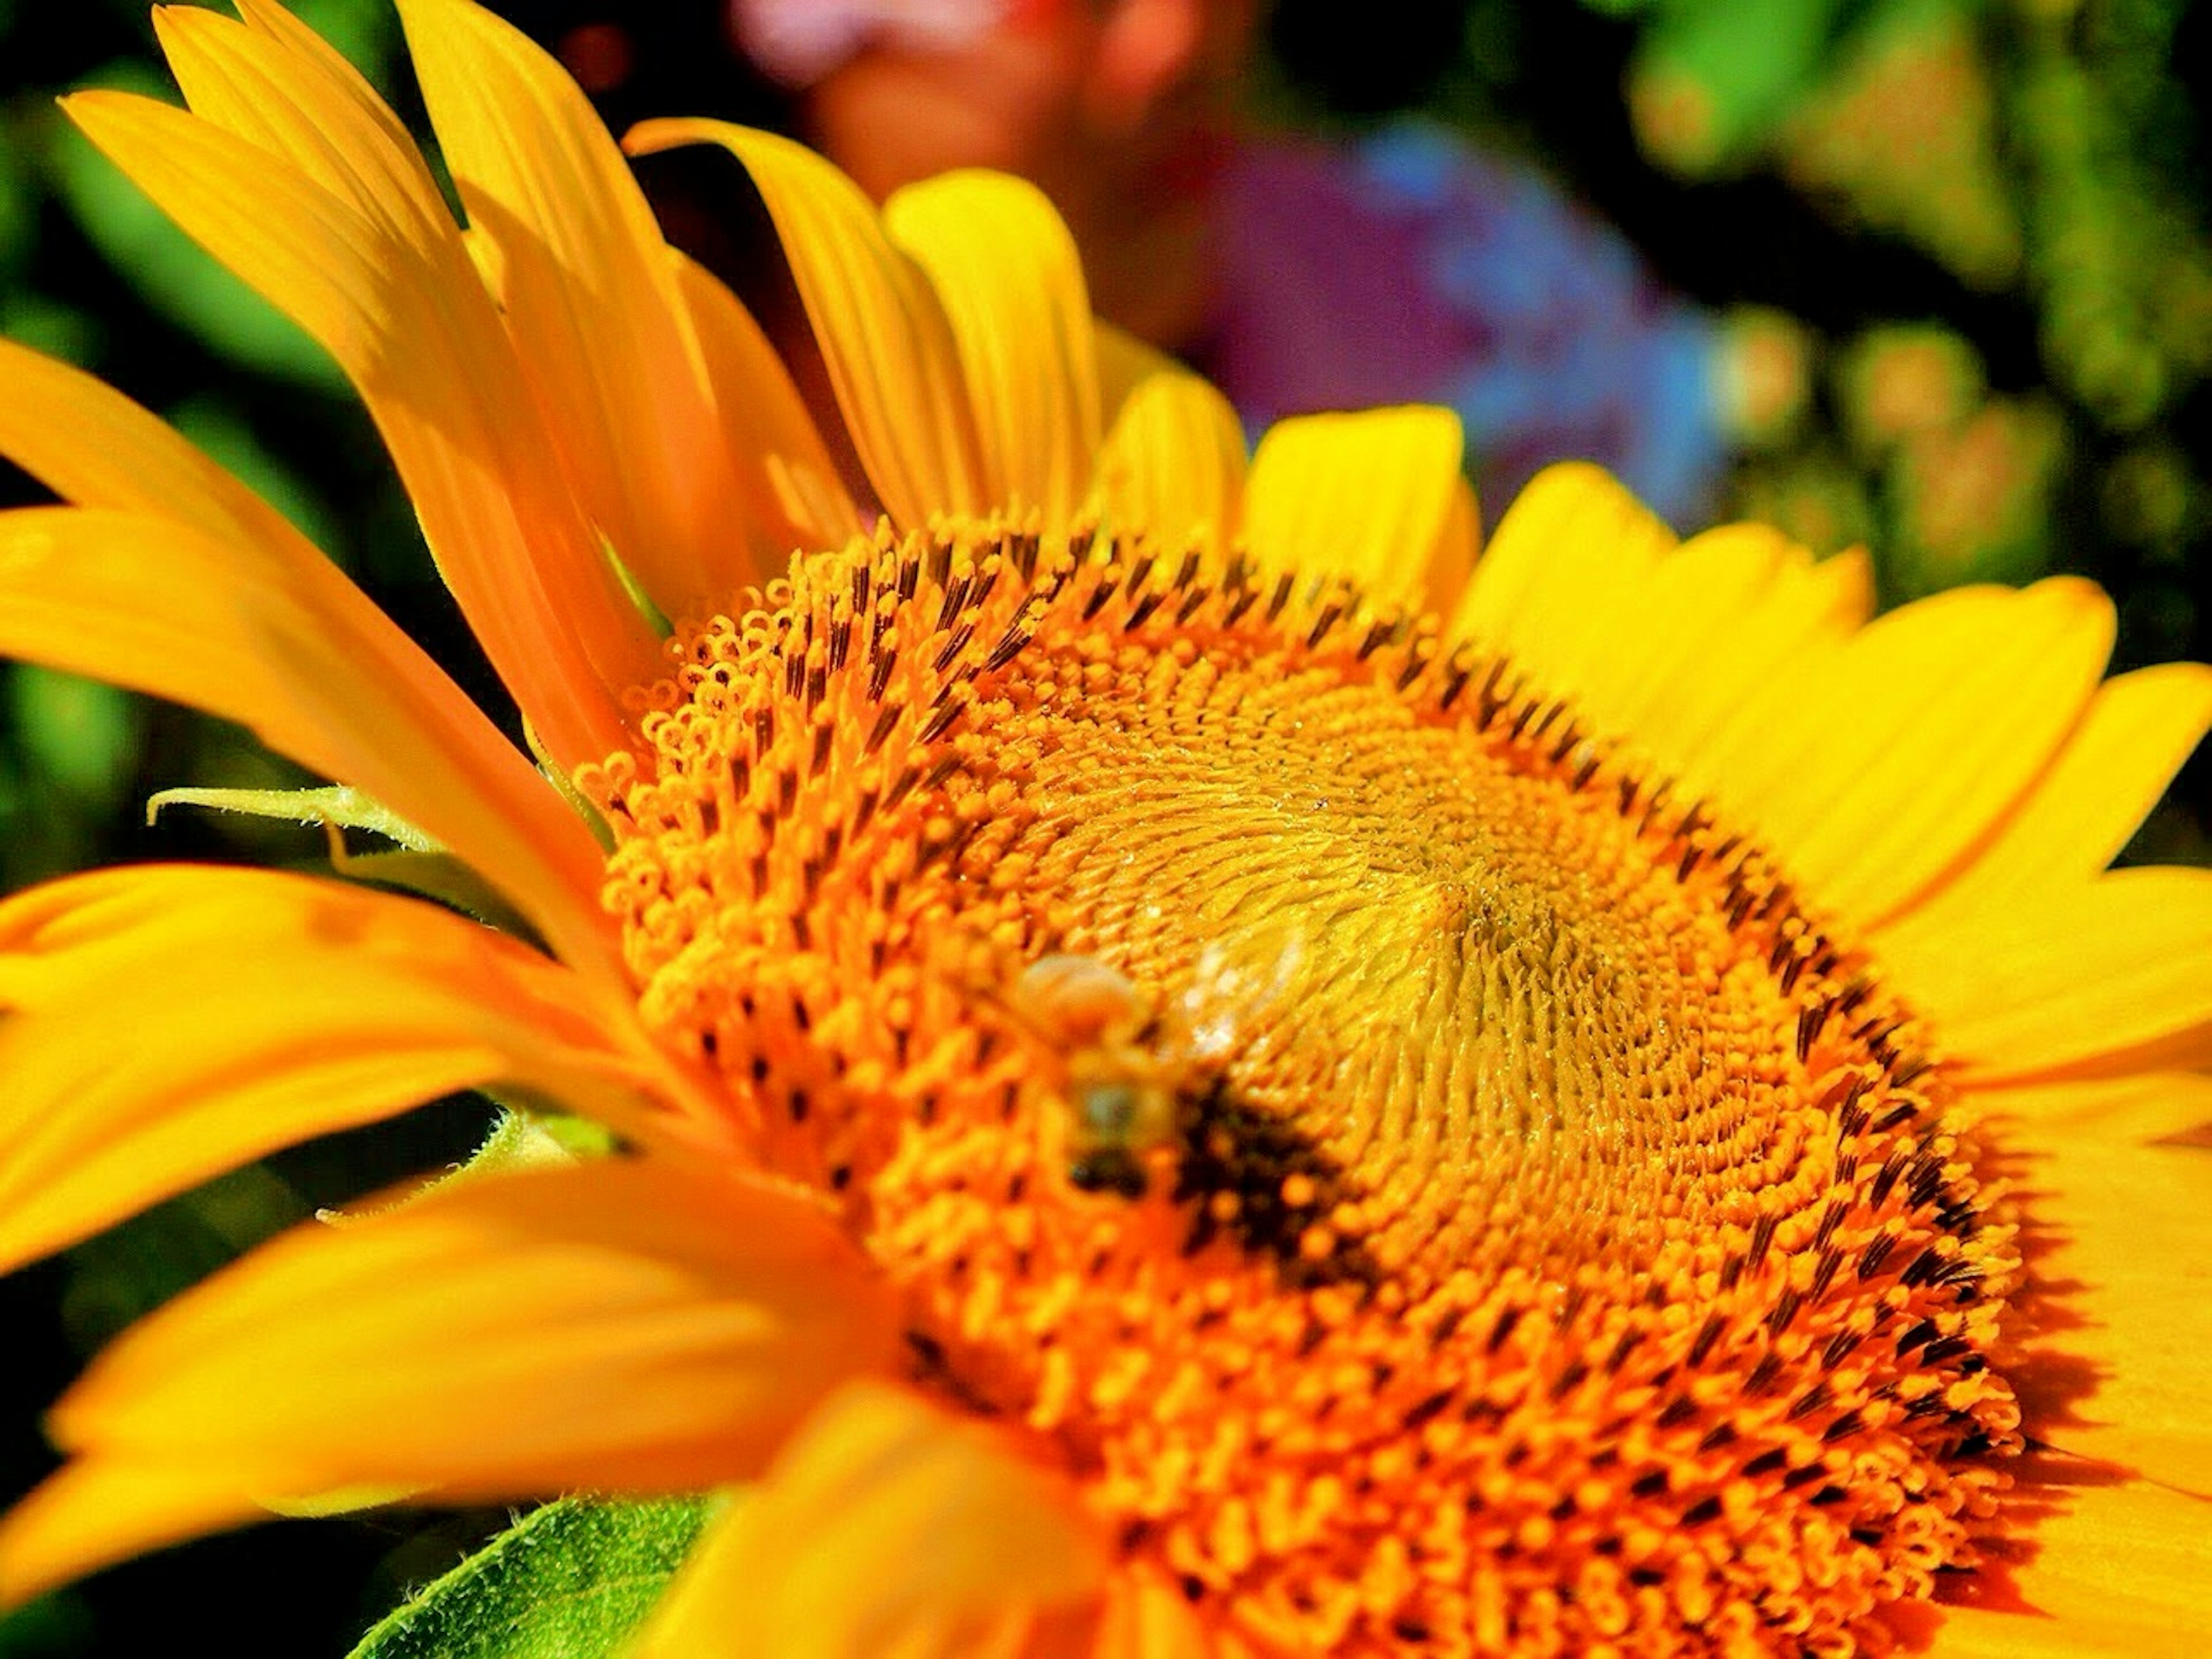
{"type": "Point", "coordinates": [1134, 1072]}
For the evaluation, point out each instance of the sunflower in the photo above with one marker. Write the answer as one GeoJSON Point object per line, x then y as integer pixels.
{"type": "Point", "coordinates": [1192, 1069]}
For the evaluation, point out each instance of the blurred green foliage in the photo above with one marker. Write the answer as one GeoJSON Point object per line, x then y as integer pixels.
{"type": "Point", "coordinates": [1965, 246]}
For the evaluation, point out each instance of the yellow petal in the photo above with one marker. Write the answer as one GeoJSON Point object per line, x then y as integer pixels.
{"type": "Point", "coordinates": [892, 359]}
{"type": "Point", "coordinates": [2118, 1276]}
{"type": "Point", "coordinates": [1173, 464]}
{"type": "Point", "coordinates": [2111, 975]}
{"type": "Point", "coordinates": [263, 1009]}
{"type": "Point", "coordinates": [1452, 559]}
{"type": "Point", "coordinates": [1375, 496]}
{"type": "Point", "coordinates": [888, 1529]}
{"type": "Point", "coordinates": [1929, 726]}
{"type": "Point", "coordinates": [278, 641]}
{"type": "Point", "coordinates": [610, 1326]}
{"type": "Point", "coordinates": [2127, 1110]}
{"type": "Point", "coordinates": [415, 332]}
{"type": "Point", "coordinates": [1772, 650]}
{"type": "Point", "coordinates": [1838, 748]}
{"type": "Point", "coordinates": [1555, 585]}
{"type": "Point", "coordinates": [592, 301]}
{"type": "Point", "coordinates": [2140, 727]}
{"type": "Point", "coordinates": [1690, 607]}
{"type": "Point", "coordinates": [775, 450]}
{"type": "Point", "coordinates": [2116, 1570]}
{"type": "Point", "coordinates": [1006, 272]}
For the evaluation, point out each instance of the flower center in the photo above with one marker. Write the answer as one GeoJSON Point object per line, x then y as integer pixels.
{"type": "Point", "coordinates": [1437, 1192]}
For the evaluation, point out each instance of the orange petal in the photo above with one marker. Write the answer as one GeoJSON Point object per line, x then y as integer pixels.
{"type": "Point", "coordinates": [891, 349]}
{"type": "Point", "coordinates": [264, 1009]}
{"type": "Point", "coordinates": [591, 299]}
{"type": "Point", "coordinates": [95, 447]}
{"type": "Point", "coordinates": [2116, 1570]}
{"type": "Point", "coordinates": [1148, 1617]}
{"type": "Point", "coordinates": [1173, 464]}
{"type": "Point", "coordinates": [272, 81]}
{"type": "Point", "coordinates": [277, 639]}
{"type": "Point", "coordinates": [91, 445]}
{"type": "Point", "coordinates": [414, 329]}
{"type": "Point", "coordinates": [2102, 977]}
{"type": "Point", "coordinates": [610, 1326]}
{"type": "Point", "coordinates": [887, 1527]}
{"type": "Point", "coordinates": [775, 450]}
{"type": "Point", "coordinates": [2119, 1244]}
{"type": "Point", "coordinates": [1006, 270]}
{"type": "Point", "coordinates": [1375, 497]}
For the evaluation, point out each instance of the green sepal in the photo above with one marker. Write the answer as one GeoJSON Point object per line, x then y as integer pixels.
{"type": "Point", "coordinates": [421, 866]}
{"type": "Point", "coordinates": [531, 1134]}
{"type": "Point", "coordinates": [333, 805]}
{"type": "Point", "coordinates": [439, 877]}
{"type": "Point", "coordinates": [573, 1580]}
{"type": "Point", "coordinates": [527, 1139]}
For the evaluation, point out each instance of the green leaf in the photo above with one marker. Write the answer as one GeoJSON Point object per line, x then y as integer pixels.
{"type": "Point", "coordinates": [81, 735]}
{"type": "Point", "coordinates": [222, 432]}
{"type": "Point", "coordinates": [570, 1581]}
{"type": "Point", "coordinates": [19, 200]}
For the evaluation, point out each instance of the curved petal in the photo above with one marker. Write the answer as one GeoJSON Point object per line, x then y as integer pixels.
{"type": "Point", "coordinates": [91, 445]}
{"type": "Point", "coordinates": [1689, 606]}
{"type": "Point", "coordinates": [2104, 977]}
{"type": "Point", "coordinates": [1770, 648]}
{"type": "Point", "coordinates": [271, 81]}
{"type": "Point", "coordinates": [290, 648]}
{"type": "Point", "coordinates": [467, 1345]}
{"type": "Point", "coordinates": [887, 1527]}
{"type": "Point", "coordinates": [1550, 589]}
{"type": "Point", "coordinates": [591, 298]}
{"type": "Point", "coordinates": [2118, 1279]}
{"type": "Point", "coordinates": [1147, 1617]}
{"type": "Point", "coordinates": [414, 329]}
{"type": "Point", "coordinates": [775, 450]}
{"type": "Point", "coordinates": [1006, 272]}
{"type": "Point", "coordinates": [2139, 729]}
{"type": "Point", "coordinates": [308, 1007]}
{"type": "Point", "coordinates": [1928, 726]}
{"type": "Point", "coordinates": [892, 358]}
{"type": "Point", "coordinates": [1173, 463]}
{"type": "Point", "coordinates": [2116, 1570]}
{"type": "Point", "coordinates": [95, 447]}
{"type": "Point", "coordinates": [1373, 496]}
{"type": "Point", "coordinates": [2132, 1109]}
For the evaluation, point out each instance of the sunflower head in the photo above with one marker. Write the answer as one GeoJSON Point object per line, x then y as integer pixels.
{"type": "Point", "coordinates": [1300, 1069]}
{"type": "Point", "coordinates": [1194, 1069]}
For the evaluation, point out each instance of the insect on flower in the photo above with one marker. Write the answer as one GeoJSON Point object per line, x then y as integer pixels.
{"type": "Point", "coordinates": [1139, 1078]}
